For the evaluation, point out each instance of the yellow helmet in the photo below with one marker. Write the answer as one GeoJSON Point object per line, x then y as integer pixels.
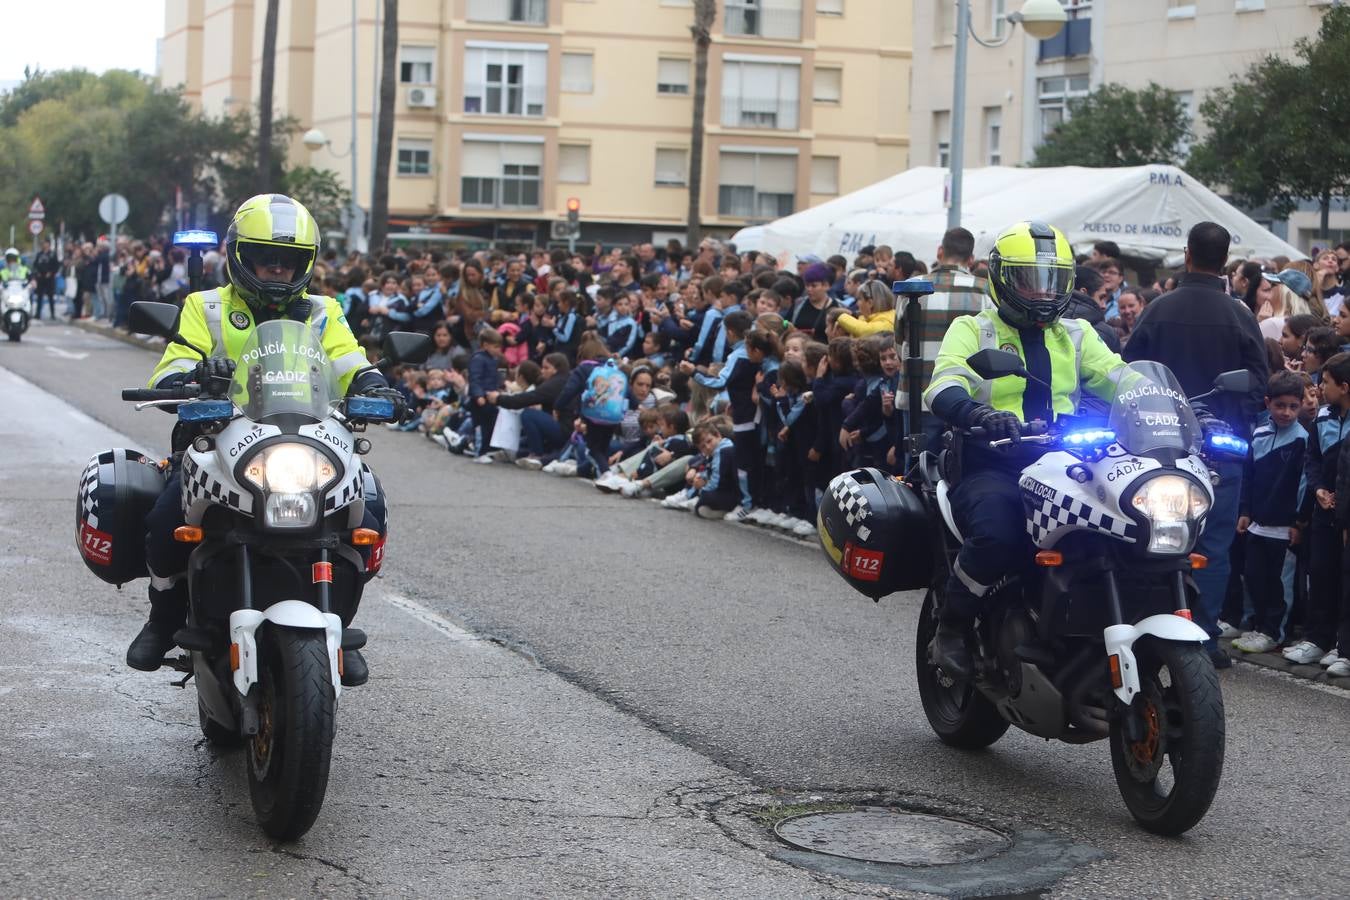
{"type": "Point", "coordinates": [1031, 274]}
{"type": "Point", "coordinates": [271, 231]}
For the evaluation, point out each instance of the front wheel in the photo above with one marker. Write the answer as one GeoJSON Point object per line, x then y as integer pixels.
{"type": "Point", "coordinates": [288, 758]}
{"type": "Point", "coordinates": [958, 714]}
{"type": "Point", "coordinates": [14, 336]}
{"type": "Point", "coordinates": [1169, 776]}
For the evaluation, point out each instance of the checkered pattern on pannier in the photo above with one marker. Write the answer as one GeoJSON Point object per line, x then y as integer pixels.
{"type": "Point", "coordinates": [852, 503]}
{"type": "Point", "coordinates": [1064, 511]}
{"type": "Point", "coordinates": [89, 492]}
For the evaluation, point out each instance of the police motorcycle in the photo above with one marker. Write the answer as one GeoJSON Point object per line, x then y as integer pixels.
{"type": "Point", "coordinates": [274, 494]}
{"type": "Point", "coordinates": [1093, 639]}
{"type": "Point", "coordinates": [16, 308]}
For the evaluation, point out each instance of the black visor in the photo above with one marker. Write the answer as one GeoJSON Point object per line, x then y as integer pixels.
{"type": "Point", "coordinates": [268, 255]}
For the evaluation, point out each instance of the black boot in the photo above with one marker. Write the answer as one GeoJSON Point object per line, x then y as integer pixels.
{"type": "Point", "coordinates": [951, 651]}
{"type": "Point", "coordinates": [146, 652]}
{"type": "Point", "coordinates": [355, 672]}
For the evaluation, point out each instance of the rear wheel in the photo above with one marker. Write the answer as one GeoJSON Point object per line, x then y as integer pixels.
{"type": "Point", "coordinates": [958, 714]}
{"type": "Point", "coordinates": [288, 758]}
{"type": "Point", "coordinates": [1169, 776]}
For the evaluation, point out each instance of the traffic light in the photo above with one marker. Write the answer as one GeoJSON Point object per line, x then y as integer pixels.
{"type": "Point", "coordinates": [573, 210]}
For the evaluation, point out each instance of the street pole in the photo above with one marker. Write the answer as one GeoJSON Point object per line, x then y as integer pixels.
{"type": "Point", "coordinates": [958, 118]}
{"type": "Point", "coordinates": [352, 212]}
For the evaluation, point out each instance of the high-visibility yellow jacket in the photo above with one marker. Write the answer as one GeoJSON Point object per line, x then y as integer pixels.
{"type": "Point", "coordinates": [219, 322]}
{"type": "Point", "coordinates": [876, 323]}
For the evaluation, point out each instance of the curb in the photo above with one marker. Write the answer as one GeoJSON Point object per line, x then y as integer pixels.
{"type": "Point", "coordinates": [103, 328]}
{"type": "Point", "coordinates": [1275, 660]}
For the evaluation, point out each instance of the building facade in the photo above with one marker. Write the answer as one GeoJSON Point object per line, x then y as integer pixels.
{"type": "Point", "coordinates": [1017, 93]}
{"type": "Point", "coordinates": [505, 109]}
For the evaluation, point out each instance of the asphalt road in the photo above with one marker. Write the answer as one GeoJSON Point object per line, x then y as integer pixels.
{"type": "Point", "coordinates": [571, 694]}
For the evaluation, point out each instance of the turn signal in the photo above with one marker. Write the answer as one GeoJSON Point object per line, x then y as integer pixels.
{"type": "Point", "coordinates": [340, 670]}
{"type": "Point", "coordinates": [1185, 614]}
{"type": "Point", "coordinates": [187, 534]}
{"type": "Point", "coordinates": [234, 657]}
{"type": "Point", "coordinates": [1114, 662]}
{"type": "Point", "coordinates": [365, 537]}
{"type": "Point", "coordinates": [1049, 558]}
{"type": "Point", "coordinates": [1199, 561]}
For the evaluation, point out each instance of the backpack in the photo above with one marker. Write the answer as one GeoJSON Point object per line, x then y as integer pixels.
{"type": "Point", "coordinates": [605, 399]}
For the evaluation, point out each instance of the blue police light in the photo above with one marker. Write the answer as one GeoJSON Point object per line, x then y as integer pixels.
{"type": "Point", "coordinates": [195, 237]}
{"type": "Point", "coordinates": [1091, 439]}
{"type": "Point", "coordinates": [912, 286]}
{"type": "Point", "coordinates": [206, 411]}
{"type": "Point", "coordinates": [1227, 444]}
{"type": "Point", "coordinates": [376, 409]}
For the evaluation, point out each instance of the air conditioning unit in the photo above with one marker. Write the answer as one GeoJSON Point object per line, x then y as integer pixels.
{"type": "Point", "coordinates": [560, 230]}
{"type": "Point", "coordinates": [422, 97]}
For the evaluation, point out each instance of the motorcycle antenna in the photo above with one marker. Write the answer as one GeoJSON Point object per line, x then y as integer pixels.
{"type": "Point", "coordinates": [195, 240]}
{"type": "Point", "coordinates": [913, 290]}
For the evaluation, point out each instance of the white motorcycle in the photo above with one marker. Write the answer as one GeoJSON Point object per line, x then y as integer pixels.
{"type": "Point", "coordinates": [16, 308]}
{"type": "Point", "coordinates": [274, 495]}
{"type": "Point", "coordinates": [1095, 640]}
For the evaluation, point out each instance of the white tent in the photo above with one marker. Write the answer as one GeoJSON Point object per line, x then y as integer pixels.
{"type": "Point", "coordinates": [1147, 210]}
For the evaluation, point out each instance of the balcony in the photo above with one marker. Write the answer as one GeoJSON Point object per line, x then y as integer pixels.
{"type": "Point", "coordinates": [517, 12]}
{"type": "Point", "coordinates": [1074, 40]}
{"type": "Point", "coordinates": [749, 18]}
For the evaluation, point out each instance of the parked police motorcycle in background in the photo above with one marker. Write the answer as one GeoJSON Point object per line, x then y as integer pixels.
{"type": "Point", "coordinates": [16, 308]}
{"type": "Point", "coordinates": [1093, 640]}
{"type": "Point", "coordinates": [274, 494]}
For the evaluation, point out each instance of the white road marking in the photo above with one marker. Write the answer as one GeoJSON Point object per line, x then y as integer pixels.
{"type": "Point", "coordinates": [65, 354]}
{"type": "Point", "coordinates": [435, 620]}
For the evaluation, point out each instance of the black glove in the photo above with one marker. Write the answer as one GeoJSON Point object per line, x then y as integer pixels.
{"type": "Point", "coordinates": [997, 424]}
{"type": "Point", "coordinates": [394, 396]}
{"type": "Point", "coordinates": [214, 375]}
{"type": "Point", "coordinates": [1210, 424]}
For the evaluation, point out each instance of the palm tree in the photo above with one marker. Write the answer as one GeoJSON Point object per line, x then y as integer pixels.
{"type": "Point", "coordinates": [384, 144]}
{"type": "Point", "coordinates": [705, 13]}
{"type": "Point", "coordinates": [267, 78]}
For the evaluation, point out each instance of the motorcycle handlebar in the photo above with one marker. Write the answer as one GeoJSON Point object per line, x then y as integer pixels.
{"type": "Point", "coordinates": [1027, 429]}
{"type": "Point", "coordinates": [185, 392]}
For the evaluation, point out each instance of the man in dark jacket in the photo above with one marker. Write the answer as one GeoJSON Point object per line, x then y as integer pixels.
{"type": "Point", "coordinates": [45, 267]}
{"type": "Point", "coordinates": [1198, 332]}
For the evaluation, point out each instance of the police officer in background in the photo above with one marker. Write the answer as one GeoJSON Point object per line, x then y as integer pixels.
{"type": "Point", "coordinates": [1031, 275]}
{"type": "Point", "coordinates": [271, 247]}
{"type": "Point", "coordinates": [45, 267]}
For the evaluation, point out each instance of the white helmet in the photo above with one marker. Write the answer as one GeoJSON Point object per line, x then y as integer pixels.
{"type": "Point", "coordinates": [10, 251]}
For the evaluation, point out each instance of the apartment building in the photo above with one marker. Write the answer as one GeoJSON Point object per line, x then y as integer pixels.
{"type": "Point", "coordinates": [507, 108]}
{"type": "Point", "coordinates": [1019, 92]}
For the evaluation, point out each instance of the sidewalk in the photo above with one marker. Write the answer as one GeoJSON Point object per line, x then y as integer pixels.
{"type": "Point", "coordinates": [101, 326]}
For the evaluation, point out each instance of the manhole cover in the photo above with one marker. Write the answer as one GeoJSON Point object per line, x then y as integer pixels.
{"type": "Point", "coordinates": [893, 836]}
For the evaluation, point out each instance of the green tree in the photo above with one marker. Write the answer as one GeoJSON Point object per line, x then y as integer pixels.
{"type": "Point", "coordinates": [1273, 134]}
{"type": "Point", "coordinates": [1117, 126]}
{"type": "Point", "coordinates": [321, 192]}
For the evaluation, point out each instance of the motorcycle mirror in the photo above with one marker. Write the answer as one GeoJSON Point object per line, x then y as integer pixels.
{"type": "Point", "coordinates": [1238, 381]}
{"type": "Point", "coordinates": [992, 364]}
{"type": "Point", "coordinates": [407, 347]}
{"type": "Point", "coordinates": [159, 319]}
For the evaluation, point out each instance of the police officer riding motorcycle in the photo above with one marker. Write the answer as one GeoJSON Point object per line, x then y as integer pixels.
{"type": "Point", "coordinates": [271, 247]}
{"type": "Point", "coordinates": [14, 269]}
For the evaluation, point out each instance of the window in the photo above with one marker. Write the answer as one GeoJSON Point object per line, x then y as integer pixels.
{"type": "Point", "coordinates": [944, 22]}
{"type": "Point", "coordinates": [577, 73]}
{"type": "Point", "coordinates": [1249, 5]}
{"type": "Point", "coordinates": [505, 80]}
{"type": "Point", "coordinates": [942, 139]}
{"type": "Point", "coordinates": [760, 95]}
{"type": "Point", "coordinates": [998, 15]}
{"type": "Point", "coordinates": [672, 76]}
{"type": "Point", "coordinates": [524, 12]}
{"type": "Point", "coordinates": [501, 174]}
{"type": "Point", "coordinates": [824, 174]}
{"type": "Point", "coordinates": [828, 86]}
{"type": "Point", "coordinates": [765, 18]}
{"type": "Point", "coordinates": [672, 166]}
{"type": "Point", "coordinates": [830, 7]}
{"type": "Point", "coordinates": [756, 184]}
{"type": "Point", "coordinates": [993, 135]}
{"type": "Point", "coordinates": [414, 156]}
{"type": "Point", "coordinates": [1187, 100]}
{"type": "Point", "coordinates": [574, 163]}
{"type": "Point", "coordinates": [1181, 9]}
{"type": "Point", "coordinates": [416, 65]}
{"type": "Point", "coordinates": [1054, 96]}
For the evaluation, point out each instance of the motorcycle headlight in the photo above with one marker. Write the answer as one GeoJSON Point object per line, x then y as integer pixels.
{"type": "Point", "coordinates": [1172, 505]}
{"type": "Point", "coordinates": [289, 469]}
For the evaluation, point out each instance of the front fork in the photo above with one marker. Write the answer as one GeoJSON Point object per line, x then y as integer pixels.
{"type": "Point", "coordinates": [1120, 636]}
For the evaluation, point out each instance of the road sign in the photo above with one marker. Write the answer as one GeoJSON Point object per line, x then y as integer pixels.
{"type": "Point", "coordinates": [35, 227]}
{"type": "Point", "coordinates": [113, 209]}
{"type": "Point", "coordinates": [36, 210]}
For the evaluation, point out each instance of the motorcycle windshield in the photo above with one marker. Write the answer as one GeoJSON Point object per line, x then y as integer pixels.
{"type": "Point", "coordinates": [283, 370]}
{"type": "Point", "coordinates": [1150, 411]}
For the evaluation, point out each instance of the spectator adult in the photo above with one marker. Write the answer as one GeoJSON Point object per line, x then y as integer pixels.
{"type": "Point", "coordinates": [1327, 281]}
{"type": "Point", "coordinates": [1103, 250]}
{"type": "Point", "coordinates": [1198, 332]}
{"type": "Point", "coordinates": [103, 287]}
{"type": "Point", "coordinates": [45, 268]}
{"type": "Point", "coordinates": [1113, 282]}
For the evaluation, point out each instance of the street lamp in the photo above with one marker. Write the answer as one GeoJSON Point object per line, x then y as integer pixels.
{"type": "Point", "coordinates": [1042, 19]}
